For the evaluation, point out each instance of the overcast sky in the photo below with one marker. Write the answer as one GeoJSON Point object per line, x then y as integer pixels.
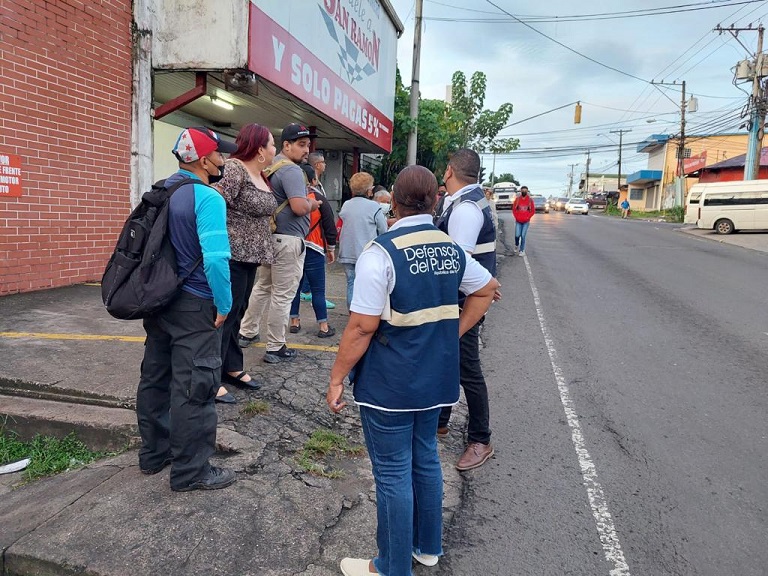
{"type": "Point", "coordinates": [536, 74]}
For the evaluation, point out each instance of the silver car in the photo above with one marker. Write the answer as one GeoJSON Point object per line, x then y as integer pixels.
{"type": "Point", "coordinates": [576, 206]}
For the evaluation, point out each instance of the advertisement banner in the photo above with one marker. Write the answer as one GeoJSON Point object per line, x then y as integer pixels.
{"type": "Point", "coordinates": [695, 163]}
{"type": "Point", "coordinates": [339, 56]}
{"type": "Point", "coordinates": [10, 176]}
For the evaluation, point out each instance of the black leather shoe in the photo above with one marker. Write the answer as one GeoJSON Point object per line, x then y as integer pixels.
{"type": "Point", "coordinates": [151, 471]}
{"type": "Point", "coordinates": [238, 381]}
{"type": "Point", "coordinates": [226, 399]}
{"type": "Point", "coordinates": [216, 479]}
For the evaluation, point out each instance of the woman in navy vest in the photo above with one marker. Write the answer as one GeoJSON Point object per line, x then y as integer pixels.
{"type": "Point", "coordinates": [405, 300]}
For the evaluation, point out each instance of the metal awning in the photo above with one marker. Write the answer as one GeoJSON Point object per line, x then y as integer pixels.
{"type": "Point", "coordinates": [644, 177]}
{"type": "Point", "coordinates": [263, 103]}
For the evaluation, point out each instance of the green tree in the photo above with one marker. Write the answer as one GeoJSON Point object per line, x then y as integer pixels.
{"type": "Point", "coordinates": [435, 136]}
{"type": "Point", "coordinates": [507, 177]}
{"type": "Point", "coordinates": [478, 127]}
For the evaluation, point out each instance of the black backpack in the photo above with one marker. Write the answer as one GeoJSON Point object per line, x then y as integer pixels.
{"type": "Point", "coordinates": [141, 276]}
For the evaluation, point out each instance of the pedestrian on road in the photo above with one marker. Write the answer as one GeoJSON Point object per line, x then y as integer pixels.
{"type": "Point", "coordinates": [362, 220]}
{"type": "Point", "coordinates": [625, 208]}
{"type": "Point", "coordinates": [468, 219]}
{"type": "Point", "coordinates": [405, 300]}
{"type": "Point", "coordinates": [181, 370]}
{"type": "Point", "coordinates": [250, 203]}
{"type": "Point", "coordinates": [277, 282]}
{"type": "Point", "coordinates": [523, 210]}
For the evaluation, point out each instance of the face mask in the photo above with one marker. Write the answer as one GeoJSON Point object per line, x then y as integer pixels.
{"type": "Point", "coordinates": [524, 192]}
{"type": "Point", "coordinates": [216, 177]}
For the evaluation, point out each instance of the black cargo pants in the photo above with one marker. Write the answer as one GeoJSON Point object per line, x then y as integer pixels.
{"type": "Point", "coordinates": [180, 375]}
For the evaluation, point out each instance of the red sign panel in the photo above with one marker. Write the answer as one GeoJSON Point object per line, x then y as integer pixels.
{"type": "Point", "coordinates": [695, 163]}
{"type": "Point", "coordinates": [278, 57]}
{"type": "Point", "coordinates": [10, 176]}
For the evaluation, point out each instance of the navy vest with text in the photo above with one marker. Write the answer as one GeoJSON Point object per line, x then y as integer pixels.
{"type": "Point", "coordinates": [485, 247]}
{"type": "Point", "coordinates": [412, 362]}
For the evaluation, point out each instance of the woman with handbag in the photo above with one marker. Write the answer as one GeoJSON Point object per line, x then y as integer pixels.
{"type": "Point", "coordinates": [321, 244]}
{"type": "Point", "coordinates": [250, 203]}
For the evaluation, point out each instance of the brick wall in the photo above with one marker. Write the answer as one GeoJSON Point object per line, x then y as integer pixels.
{"type": "Point", "coordinates": [65, 109]}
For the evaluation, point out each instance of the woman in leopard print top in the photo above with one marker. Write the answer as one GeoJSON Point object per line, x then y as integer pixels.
{"type": "Point", "coordinates": [250, 203]}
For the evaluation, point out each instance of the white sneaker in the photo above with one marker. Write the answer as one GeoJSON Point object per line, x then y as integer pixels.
{"type": "Point", "coordinates": [522, 253]}
{"type": "Point", "coordinates": [515, 250]}
{"type": "Point", "coordinates": [355, 567]}
{"type": "Point", "coordinates": [426, 559]}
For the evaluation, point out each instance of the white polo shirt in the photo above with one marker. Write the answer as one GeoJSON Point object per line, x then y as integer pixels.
{"type": "Point", "coordinates": [466, 220]}
{"type": "Point", "coordinates": [375, 273]}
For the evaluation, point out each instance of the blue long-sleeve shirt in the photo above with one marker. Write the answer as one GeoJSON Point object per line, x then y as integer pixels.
{"type": "Point", "coordinates": [197, 224]}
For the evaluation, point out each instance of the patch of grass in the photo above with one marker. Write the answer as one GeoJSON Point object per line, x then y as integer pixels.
{"type": "Point", "coordinates": [324, 443]}
{"type": "Point", "coordinates": [254, 407]}
{"type": "Point", "coordinates": [48, 455]}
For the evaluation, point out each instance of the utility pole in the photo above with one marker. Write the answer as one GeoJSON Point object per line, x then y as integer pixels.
{"type": "Point", "coordinates": [621, 134]}
{"type": "Point", "coordinates": [586, 178]}
{"type": "Point", "coordinates": [680, 172]}
{"type": "Point", "coordinates": [754, 72]}
{"type": "Point", "coordinates": [681, 146]}
{"type": "Point", "coordinates": [413, 134]}
{"type": "Point", "coordinates": [570, 179]}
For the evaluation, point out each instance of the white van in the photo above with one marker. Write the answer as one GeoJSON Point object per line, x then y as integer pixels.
{"type": "Point", "coordinates": [728, 206]}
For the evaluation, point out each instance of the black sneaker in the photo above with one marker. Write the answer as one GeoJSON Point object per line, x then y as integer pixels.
{"type": "Point", "coordinates": [244, 341]}
{"type": "Point", "coordinates": [216, 479]}
{"type": "Point", "coordinates": [284, 353]}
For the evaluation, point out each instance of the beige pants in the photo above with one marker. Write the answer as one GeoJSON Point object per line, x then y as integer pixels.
{"type": "Point", "coordinates": [275, 288]}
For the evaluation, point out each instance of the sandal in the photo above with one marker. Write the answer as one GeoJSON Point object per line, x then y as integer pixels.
{"type": "Point", "coordinates": [238, 381]}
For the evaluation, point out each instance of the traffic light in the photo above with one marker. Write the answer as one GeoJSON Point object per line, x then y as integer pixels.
{"type": "Point", "coordinates": [481, 175]}
{"type": "Point", "coordinates": [577, 114]}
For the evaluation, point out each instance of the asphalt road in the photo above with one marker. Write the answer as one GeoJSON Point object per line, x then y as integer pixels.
{"type": "Point", "coordinates": [627, 368]}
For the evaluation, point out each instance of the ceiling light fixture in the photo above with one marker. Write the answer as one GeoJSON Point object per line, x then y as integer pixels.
{"type": "Point", "coordinates": [222, 103]}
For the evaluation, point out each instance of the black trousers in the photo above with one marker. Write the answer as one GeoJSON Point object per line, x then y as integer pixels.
{"type": "Point", "coordinates": [475, 390]}
{"type": "Point", "coordinates": [242, 275]}
{"type": "Point", "coordinates": [180, 375]}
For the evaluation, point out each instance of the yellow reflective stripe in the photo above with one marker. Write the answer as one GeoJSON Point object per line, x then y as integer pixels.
{"type": "Point", "coordinates": [483, 248]}
{"type": "Point", "coordinates": [419, 238]}
{"type": "Point", "coordinates": [425, 316]}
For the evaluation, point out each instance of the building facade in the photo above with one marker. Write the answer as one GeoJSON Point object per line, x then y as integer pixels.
{"type": "Point", "coordinates": [93, 98]}
{"type": "Point", "coordinates": [653, 188]}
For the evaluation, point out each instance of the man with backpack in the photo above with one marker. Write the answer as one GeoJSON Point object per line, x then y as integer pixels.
{"type": "Point", "coordinates": [277, 282]}
{"type": "Point", "coordinates": [181, 369]}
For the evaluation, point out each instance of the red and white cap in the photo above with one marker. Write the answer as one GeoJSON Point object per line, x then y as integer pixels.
{"type": "Point", "coordinates": [197, 142]}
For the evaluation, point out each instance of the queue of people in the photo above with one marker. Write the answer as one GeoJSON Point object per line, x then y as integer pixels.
{"type": "Point", "coordinates": [246, 231]}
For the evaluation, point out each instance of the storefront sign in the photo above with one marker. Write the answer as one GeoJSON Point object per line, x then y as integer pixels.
{"type": "Point", "coordinates": [339, 56]}
{"type": "Point", "coordinates": [695, 163]}
{"type": "Point", "coordinates": [10, 176]}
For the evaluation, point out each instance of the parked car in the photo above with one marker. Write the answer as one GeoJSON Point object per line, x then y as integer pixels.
{"type": "Point", "coordinates": [577, 205]}
{"type": "Point", "coordinates": [504, 194]}
{"type": "Point", "coordinates": [541, 204]}
{"type": "Point", "coordinates": [597, 201]}
{"type": "Point", "coordinates": [559, 204]}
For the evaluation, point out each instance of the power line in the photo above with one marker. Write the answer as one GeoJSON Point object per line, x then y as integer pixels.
{"type": "Point", "coordinates": [590, 17]}
{"type": "Point", "coordinates": [564, 46]}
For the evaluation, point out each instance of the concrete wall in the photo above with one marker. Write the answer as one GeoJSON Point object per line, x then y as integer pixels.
{"type": "Point", "coordinates": [65, 110]}
{"type": "Point", "coordinates": [201, 34]}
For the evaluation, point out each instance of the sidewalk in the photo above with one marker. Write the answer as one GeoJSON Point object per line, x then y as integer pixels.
{"type": "Point", "coordinates": [67, 364]}
{"type": "Point", "coordinates": [751, 239]}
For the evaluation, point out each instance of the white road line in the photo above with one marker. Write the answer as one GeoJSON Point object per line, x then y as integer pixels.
{"type": "Point", "coordinates": [603, 519]}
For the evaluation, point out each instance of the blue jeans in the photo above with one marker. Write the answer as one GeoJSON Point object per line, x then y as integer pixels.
{"type": "Point", "coordinates": [402, 447]}
{"type": "Point", "coordinates": [521, 229]}
{"type": "Point", "coordinates": [314, 272]}
{"type": "Point", "coordinates": [349, 270]}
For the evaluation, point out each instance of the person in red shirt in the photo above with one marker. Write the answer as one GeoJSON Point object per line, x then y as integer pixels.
{"type": "Point", "coordinates": [523, 210]}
